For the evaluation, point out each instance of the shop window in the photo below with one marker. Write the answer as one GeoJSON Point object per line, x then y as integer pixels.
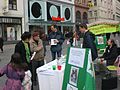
{"type": "Point", "coordinates": [12, 4]}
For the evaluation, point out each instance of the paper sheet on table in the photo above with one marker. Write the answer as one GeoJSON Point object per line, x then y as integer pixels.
{"type": "Point", "coordinates": [112, 67]}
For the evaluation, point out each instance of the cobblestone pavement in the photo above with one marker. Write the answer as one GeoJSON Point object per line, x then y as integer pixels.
{"type": "Point", "coordinates": [9, 49]}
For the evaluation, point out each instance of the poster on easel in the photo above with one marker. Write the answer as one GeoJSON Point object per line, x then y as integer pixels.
{"type": "Point", "coordinates": [79, 72]}
{"type": "Point", "coordinates": [101, 42]}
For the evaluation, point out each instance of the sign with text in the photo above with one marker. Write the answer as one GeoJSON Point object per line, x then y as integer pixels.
{"type": "Point", "coordinates": [78, 70]}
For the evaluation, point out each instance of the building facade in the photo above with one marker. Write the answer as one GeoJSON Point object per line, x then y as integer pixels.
{"type": "Point", "coordinates": [116, 11]}
{"type": "Point", "coordinates": [101, 10]}
{"type": "Point", "coordinates": [81, 11]}
{"type": "Point", "coordinates": [39, 14]}
{"type": "Point", "coordinates": [11, 19]}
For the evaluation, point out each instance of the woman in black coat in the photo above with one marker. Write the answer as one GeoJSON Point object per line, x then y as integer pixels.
{"type": "Point", "coordinates": [111, 53]}
{"type": "Point", "coordinates": [1, 43]}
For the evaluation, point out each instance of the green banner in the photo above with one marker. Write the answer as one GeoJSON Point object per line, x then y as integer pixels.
{"type": "Point", "coordinates": [103, 28]}
{"type": "Point", "coordinates": [77, 70]}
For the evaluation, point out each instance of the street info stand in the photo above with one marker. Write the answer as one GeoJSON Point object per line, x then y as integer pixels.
{"type": "Point", "coordinates": [79, 72]}
{"type": "Point", "coordinates": [101, 43]}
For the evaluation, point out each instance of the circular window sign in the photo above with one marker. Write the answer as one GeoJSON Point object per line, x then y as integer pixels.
{"type": "Point", "coordinates": [67, 13]}
{"type": "Point", "coordinates": [36, 10]}
{"type": "Point", "coordinates": [53, 11]}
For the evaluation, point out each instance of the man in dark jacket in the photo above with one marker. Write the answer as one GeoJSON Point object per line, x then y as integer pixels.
{"type": "Point", "coordinates": [57, 38]}
{"type": "Point", "coordinates": [111, 52]}
{"type": "Point", "coordinates": [1, 43]}
{"type": "Point", "coordinates": [88, 40]}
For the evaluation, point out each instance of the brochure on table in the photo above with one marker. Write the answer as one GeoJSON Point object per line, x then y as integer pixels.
{"type": "Point", "coordinates": [76, 68]}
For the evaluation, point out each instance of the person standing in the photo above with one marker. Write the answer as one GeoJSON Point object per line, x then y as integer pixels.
{"type": "Point", "coordinates": [36, 46]}
{"type": "Point", "coordinates": [43, 37]}
{"type": "Point", "coordinates": [23, 48]}
{"type": "Point", "coordinates": [56, 39]}
{"type": "Point", "coordinates": [88, 40]}
{"type": "Point", "coordinates": [1, 44]}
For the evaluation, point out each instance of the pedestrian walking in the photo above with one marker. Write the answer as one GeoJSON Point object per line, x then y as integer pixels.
{"type": "Point", "coordinates": [1, 44]}
{"type": "Point", "coordinates": [88, 40]}
{"type": "Point", "coordinates": [36, 46]}
{"type": "Point", "coordinates": [15, 72]}
{"type": "Point", "coordinates": [56, 39]}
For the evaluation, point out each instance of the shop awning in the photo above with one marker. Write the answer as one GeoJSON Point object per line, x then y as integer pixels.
{"type": "Point", "coordinates": [104, 27]}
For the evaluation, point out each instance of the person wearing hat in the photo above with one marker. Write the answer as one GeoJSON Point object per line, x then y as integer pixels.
{"type": "Point", "coordinates": [36, 46]}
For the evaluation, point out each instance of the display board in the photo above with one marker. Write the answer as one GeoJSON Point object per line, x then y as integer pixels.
{"type": "Point", "coordinates": [101, 42]}
{"type": "Point", "coordinates": [79, 72]}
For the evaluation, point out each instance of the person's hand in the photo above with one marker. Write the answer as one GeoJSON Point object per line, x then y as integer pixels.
{"type": "Point", "coordinates": [101, 60]}
{"type": "Point", "coordinates": [56, 41]}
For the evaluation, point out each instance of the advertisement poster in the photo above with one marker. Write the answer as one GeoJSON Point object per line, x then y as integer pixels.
{"type": "Point", "coordinates": [10, 33]}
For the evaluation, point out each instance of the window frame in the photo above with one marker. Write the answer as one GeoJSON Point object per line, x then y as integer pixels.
{"type": "Point", "coordinates": [12, 3]}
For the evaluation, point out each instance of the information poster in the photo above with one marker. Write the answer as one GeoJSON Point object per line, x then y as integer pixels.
{"type": "Point", "coordinates": [76, 69]}
{"type": "Point", "coordinates": [101, 42]}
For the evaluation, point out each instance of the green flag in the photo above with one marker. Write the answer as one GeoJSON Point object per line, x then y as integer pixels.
{"type": "Point", "coordinates": [90, 76]}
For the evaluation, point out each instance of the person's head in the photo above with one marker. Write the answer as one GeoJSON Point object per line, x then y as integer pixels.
{"type": "Point", "coordinates": [35, 36]}
{"type": "Point", "coordinates": [83, 27]}
{"type": "Point", "coordinates": [110, 42]}
{"type": "Point", "coordinates": [16, 58]}
{"type": "Point", "coordinates": [26, 36]}
{"type": "Point", "coordinates": [16, 62]}
{"type": "Point", "coordinates": [54, 28]}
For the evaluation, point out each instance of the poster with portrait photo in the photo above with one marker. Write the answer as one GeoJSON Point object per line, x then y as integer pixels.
{"type": "Point", "coordinates": [10, 33]}
{"type": "Point", "coordinates": [74, 75]}
{"type": "Point", "coordinates": [70, 87]}
{"type": "Point", "coordinates": [100, 40]}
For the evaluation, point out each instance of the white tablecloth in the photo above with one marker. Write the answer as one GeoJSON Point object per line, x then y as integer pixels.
{"type": "Point", "coordinates": [50, 79]}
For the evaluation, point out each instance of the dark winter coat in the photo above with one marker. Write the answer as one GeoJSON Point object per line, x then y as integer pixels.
{"type": "Point", "coordinates": [110, 54]}
{"type": "Point", "coordinates": [88, 42]}
{"type": "Point", "coordinates": [1, 41]}
{"type": "Point", "coordinates": [14, 78]}
{"type": "Point", "coordinates": [59, 36]}
{"type": "Point", "coordinates": [20, 48]}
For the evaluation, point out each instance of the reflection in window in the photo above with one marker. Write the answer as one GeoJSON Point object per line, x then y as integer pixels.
{"type": "Point", "coordinates": [12, 4]}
